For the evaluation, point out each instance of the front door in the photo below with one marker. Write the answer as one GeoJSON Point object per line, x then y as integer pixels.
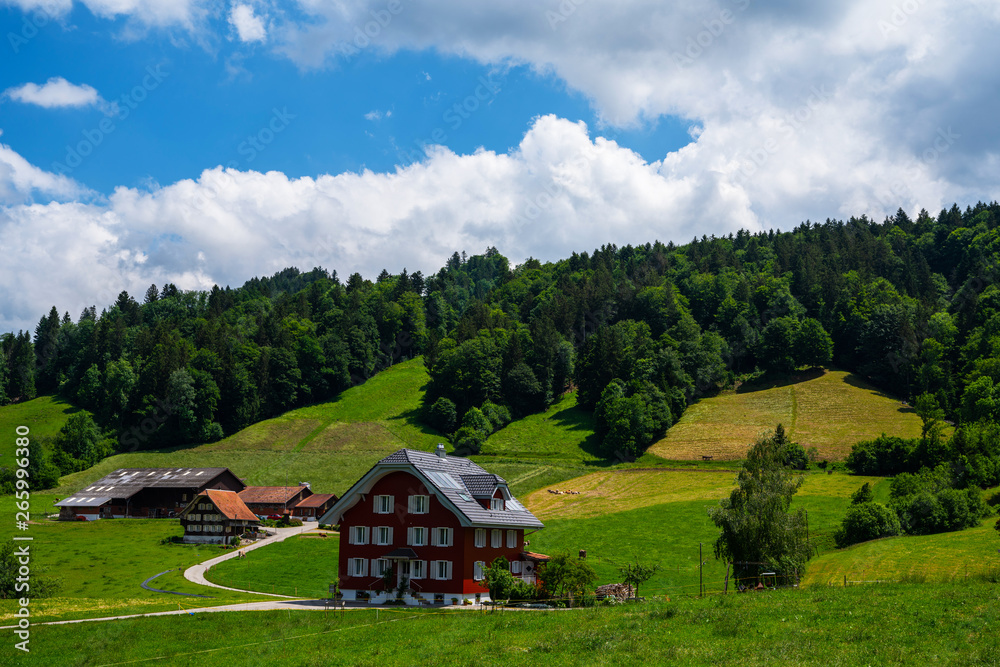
{"type": "Point", "coordinates": [403, 572]}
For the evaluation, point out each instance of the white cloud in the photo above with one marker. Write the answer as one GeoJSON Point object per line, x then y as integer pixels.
{"type": "Point", "coordinates": [377, 114]}
{"type": "Point", "coordinates": [557, 192]}
{"type": "Point", "coordinates": [897, 75]}
{"type": "Point", "coordinates": [20, 180]}
{"type": "Point", "coordinates": [57, 92]}
{"type": "Point", "coordinates": [249, 26]}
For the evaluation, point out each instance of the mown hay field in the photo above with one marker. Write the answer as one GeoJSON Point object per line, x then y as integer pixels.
{"type": "Point", "coordinates": [829, 410]}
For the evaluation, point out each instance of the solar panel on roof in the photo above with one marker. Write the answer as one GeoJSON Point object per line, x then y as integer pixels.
{"type": "Point", "coordinates": [444, 480]}
{"type": "Point", "coordinates": [515, 506]}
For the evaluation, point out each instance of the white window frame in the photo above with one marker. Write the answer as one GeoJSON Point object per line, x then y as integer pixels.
{"type": "Point", "coordinates": [359, 567]}
{"type": "Point", "coordinates": [419, 504]}
{"type": "Point", "coordinates": [418, 569]}
{"type": "Point", "coordinates": [496, 538]}
{"type": "Point", "coordinates": [436, 570]}
{"type": "Point", "coordinates": [383, 535]}
{"type": "Point", "coordinates": [478, 569]}
{"type": "Point", "coordinates": [511, 539]}
{"type": "Point", "coordinates": [496, 504]}
{"type": "Point", "coordinates": [416, 536]}
{"type": "Point", "coordinates": [357, 537]}
{"type": "Point", "coordinates": [480, 538]}
{"type": "Point", "coordinates": [379, 566]}
{"type": "Point", "coordinates": [383, 504]}
{"type": "Point", "coordinates": [449, 535]}
{"type": "Point", "coordinates": [515, 567]}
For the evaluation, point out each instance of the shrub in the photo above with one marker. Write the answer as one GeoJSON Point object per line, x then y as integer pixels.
{"type": "Point", "coordinates": [885, 455]}
{"type": "Point", "coordinates": [866, 521]}
{"type": "Point", "coordinates": [469, 440]}
{"type": "Point", "coordinates": [863, 495]}
{"type": "Point", "coordinates": [443, 415]}
{"type": "Point", "coordinates": [794, 456]}
{"type": "Point", "coordinates": [497, 415]}
{"type": "Point", "coordinates": [475, 418]}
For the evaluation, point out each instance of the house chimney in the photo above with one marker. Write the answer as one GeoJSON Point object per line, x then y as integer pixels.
{"type": "Point", "coordinates": [440, 450]}
{"type": "Point", "coordinates": [305, 484]}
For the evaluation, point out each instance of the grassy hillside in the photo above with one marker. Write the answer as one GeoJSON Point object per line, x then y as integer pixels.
{"type": "Point", "coordinates": [43, 416]}
{"type": "Point", "coordinates": [870, 625]}
{"type": "Point", "coordinates": [917, 558]}
{"type": "Point", "coordinates": [329, 445]}
{"type": "Point", "coordinates": [829, 410]}
{"type": "Point", "coordinates": [660, 516]}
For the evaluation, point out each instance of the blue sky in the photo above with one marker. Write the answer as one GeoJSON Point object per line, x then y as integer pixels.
{"type": "Point", "coordinates": [371, 111]}
{"type": "Point", "coordinates": [205, 142]}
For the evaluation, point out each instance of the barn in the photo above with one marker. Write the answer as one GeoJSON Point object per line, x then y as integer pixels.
{"type": "Point", "coordinates": [144, 492]}
{"type": "Point", "coordinates": [427, 525]}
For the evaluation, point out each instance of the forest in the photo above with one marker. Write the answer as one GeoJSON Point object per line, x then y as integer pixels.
{"type": "Point", "coordinates": [640, 332]}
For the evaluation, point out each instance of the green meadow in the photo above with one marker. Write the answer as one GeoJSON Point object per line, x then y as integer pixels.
{"type": "Point", "coordinates": [304, 565]}
{"type": "Point", "coordinates": [862, 625]}
{"type": "Point", "coordinates": [43, 416]}
{"type": "Point", "coordinates": [101, 565]}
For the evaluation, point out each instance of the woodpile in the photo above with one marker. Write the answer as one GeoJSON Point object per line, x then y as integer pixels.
{"type": "Point", "coordinates": [621, 591]}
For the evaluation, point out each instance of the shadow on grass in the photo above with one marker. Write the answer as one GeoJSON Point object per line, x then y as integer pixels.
{"type": "Point", "coordinates": [775, 380]}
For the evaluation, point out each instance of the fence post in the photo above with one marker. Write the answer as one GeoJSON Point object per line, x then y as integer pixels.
{"type": "Point", "coordinates": [845, 581]}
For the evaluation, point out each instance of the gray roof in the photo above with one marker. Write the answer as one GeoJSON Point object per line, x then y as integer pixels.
{"type": "Point", "coordinates": [455, 480]}
{"type": "Point", "coordinates": [83, 500]}
{"type": "Point", "coordinates": [126, 482]}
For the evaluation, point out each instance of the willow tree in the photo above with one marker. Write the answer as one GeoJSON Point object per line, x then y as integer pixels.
{"type": "Point", "coordinates": [758, 532]}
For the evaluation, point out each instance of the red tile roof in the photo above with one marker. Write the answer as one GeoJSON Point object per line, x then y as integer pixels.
{"type": "Point", "coordinates": [317, 500]}
{"type": "Point", "coordinates": [271, 495]}
{"type": "Point", "coordinates": [230, 505]}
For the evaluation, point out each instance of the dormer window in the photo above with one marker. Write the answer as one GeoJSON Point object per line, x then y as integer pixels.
{"type": "Point", "coordinates": [496, 504]}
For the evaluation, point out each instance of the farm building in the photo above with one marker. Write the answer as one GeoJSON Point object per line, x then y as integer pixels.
{"type": "Point", "coordinates": [144, 492]}
{"type": "Point", "coordinates": [428, 525]}
{"type": "Point", "coordinates": [215, 516]}
{"type": "Point", "coordinates": [265, 500]}
{"type": "Point", "coordinates": [314, 506]}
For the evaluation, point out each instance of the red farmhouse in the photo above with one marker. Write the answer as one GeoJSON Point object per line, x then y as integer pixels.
{"type": "Point", "coordinates": [428, 525]}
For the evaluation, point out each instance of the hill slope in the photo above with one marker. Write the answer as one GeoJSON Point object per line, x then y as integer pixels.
{"type": "Point", "coordinates": [829, 410]}
{"type": "Point", "coordinates": [43, 416]}
{"type": "Point", "coordinates": [329, 445]}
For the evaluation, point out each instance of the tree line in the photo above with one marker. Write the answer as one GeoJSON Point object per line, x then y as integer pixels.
{"type": "Point", "coordinates": [640, 332]}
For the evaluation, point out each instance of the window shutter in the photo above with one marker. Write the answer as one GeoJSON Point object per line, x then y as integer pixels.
{"type": "Point", "coordinates": [364, 567]}
{"type": "Point", "coordinates": [409, 537]}
{"type": "Point", "coordinates": [390, 535]}
{"type": "Point", "coordinates": [375, 503]}
{"type": "Point", "coordinates": [410, 503]}
{"type": "Point", "coordinates": [447, 574]}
